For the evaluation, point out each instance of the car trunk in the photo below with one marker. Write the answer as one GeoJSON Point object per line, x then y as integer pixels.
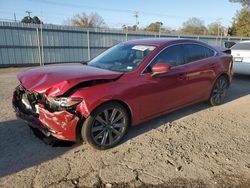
{"type": "Point", "coordinates": [241, 55]}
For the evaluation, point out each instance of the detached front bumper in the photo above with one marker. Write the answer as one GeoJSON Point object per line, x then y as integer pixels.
{"type": "Point", "coordinates": [59, 124]}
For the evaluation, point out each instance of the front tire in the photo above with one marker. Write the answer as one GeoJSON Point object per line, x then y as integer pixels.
{"type": "Point", "coordinates": [106, 126]}
{"type": "Point", "coordinates": [219, 91]}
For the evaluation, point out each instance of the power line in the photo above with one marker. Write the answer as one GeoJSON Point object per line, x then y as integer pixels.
{"type": "Point", "coordinates": [135, 13]}
{"type": "Point", "coordinates": [84, 6]}
{"type": "Point", "coordinates": [115, 10]}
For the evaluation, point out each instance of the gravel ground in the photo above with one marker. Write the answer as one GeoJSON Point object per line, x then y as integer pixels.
{"type": "Point", "coordinates": [197, 146]}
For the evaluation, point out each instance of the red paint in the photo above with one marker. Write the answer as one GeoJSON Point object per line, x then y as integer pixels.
{"type": "Point", "coordinates": [62, 122]}
{"type": "Point", "coordinates": [161, 68]}
{"type": "Point", "coordinates": [58, 124]}
{"type": "Point", "coordinates": [145, 96]}
{"type": "Point", "coordinates": [56, 80]}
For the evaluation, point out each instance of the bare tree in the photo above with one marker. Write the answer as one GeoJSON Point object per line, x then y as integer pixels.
{"type": "Point", "coordinates": [154, 27]}
{"type": "Point", "coordinates": [84, 20]}
{"type": "Point", "coordinates": [194, 26]}
{"type": "Point", "coordinates": [215, 28]}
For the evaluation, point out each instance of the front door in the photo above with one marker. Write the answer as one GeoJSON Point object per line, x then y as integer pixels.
{"type": "Point", "coordinates": [165, 91]}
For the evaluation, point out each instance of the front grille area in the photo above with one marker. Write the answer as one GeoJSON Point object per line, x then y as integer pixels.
{"type": "Point", "coordinates": [26, 100]}
{"type": "Point", "coordinates": [38, 112]}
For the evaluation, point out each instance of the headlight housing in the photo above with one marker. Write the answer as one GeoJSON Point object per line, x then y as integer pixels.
{"type": "Point", "coordinates": [66, 102]}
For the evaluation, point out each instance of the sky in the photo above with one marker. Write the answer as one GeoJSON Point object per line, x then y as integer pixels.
{"type": "Point", "coordinates": [172, 13]}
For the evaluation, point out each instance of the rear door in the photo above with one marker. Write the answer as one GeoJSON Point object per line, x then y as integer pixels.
{"type": "Point", "coordinates": [200, 64]}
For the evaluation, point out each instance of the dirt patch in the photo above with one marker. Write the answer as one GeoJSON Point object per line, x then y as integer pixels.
{"type": "Point", "coordinates": [197, 146]}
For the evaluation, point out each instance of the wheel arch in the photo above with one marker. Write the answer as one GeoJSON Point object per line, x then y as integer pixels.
{"type": "Point", "coordinates": [82, 119]}
{"type": "Point", "coordinates": [124, 104]}
{"type": "Point", "coordinates": [223, 75]}
{"type": "Point", "coordinates": [213, 84]}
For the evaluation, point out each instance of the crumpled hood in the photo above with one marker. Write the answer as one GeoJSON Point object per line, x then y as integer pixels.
{"type": "Point", "coordinates": [56, 80]}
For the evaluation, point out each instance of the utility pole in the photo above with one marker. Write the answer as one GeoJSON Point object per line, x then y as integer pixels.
{"type": "Point", "coordinates": [125, 28]}
{"type": "Point", "coordinates": [28, 12]}
{"type": "Point", "coordinates": [15, 16]}
{"type": "Point", "coordinates": [219, 26]}
{"type": "Point", "coordinates": [160, 24]}
{"type": "Point", "coordinates": [136, 20]}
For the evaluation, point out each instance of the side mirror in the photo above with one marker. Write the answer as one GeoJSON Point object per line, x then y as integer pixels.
{"type": "Point", "coordinates": [160, 68]}
{"type": "Point", "coordinates": [229, 44]}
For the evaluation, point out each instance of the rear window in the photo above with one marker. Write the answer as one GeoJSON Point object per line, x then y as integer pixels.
{"type": "Point", "coordinates": [194, 52]}
{"type": "Point", "coordinates": [242, 46]}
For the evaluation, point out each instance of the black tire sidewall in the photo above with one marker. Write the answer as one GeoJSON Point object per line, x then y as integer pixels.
{"type": "Point", "coordinates": [87, 125]}
{"type": "Point", "coordinates": [211, 100]}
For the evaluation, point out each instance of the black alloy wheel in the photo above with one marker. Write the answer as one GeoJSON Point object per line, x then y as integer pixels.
{"type": "Point", "coordinates": [219, 91]}
{"type": "Point", "coordinates": [106, 126]}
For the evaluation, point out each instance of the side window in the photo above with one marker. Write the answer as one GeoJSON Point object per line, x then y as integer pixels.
{"type": "Point", "coordinates": [209, 52]}
{"type": "Point", "coordinates": [172, 56]}
{"type": "Point", "coordinates": [194, 52]}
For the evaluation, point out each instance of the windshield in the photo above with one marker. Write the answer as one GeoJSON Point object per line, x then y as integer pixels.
{"type": "Point", "coordinates": [242, 46]}
{"type": "Point", "coordinates": [122, 57]}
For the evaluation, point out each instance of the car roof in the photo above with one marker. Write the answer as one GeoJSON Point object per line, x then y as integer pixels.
{"type": "Point", "coordinates": [161, 41]}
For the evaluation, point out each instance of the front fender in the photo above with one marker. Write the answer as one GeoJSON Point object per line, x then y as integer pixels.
{"type": "Point", "coordinates": [94, 96]}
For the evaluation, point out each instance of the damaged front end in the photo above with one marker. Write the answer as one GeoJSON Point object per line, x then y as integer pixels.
{"type": "Point", "coordinates": [55, 117]}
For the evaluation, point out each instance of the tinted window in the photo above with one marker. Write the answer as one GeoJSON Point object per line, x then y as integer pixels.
{"type": "Point", "coordinates": [242, 46]}
{"type": "Point", "coordinates": [172, 56]}
{"type": "Point", "coordinates": [195, 52]}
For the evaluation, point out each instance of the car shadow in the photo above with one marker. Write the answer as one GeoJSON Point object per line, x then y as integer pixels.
{"type": "Point", "coordinates": [239, 87]}
{"type": "Point", "coordinates": [21, 149]}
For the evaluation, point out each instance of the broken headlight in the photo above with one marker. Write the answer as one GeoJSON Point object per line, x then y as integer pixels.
{"type": "Point", "coordinates": [65, 102]}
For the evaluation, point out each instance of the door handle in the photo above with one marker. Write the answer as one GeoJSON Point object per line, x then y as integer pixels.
{"type": "Point", "coordinates": [213, 65]}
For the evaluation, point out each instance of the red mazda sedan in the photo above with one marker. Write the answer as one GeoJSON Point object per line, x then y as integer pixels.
{"type": "Point", "coordinates": [127, 84]}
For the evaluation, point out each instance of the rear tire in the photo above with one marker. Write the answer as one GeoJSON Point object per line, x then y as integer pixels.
{"type": "Point", "coordinates": [106, 126]}
{"type": "Point", "coordinates": [219, 91]}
